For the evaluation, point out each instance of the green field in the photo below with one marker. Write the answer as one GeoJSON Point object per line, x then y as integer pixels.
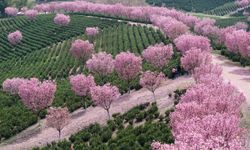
{"type": "Point", "coordinates": [44, 53]}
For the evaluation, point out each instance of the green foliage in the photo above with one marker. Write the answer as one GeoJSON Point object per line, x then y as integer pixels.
{"type": "Point", "coordinates": [137, 137]}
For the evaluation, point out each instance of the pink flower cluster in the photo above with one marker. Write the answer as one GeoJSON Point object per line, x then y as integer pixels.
{"type": "Point", "coordinates": [81, 84]}
{"type": "Point", "coordinates": [12, 85]}
{"type": "Point", "coordinates": [15, 37]}
{"type": "Point", "coordinates": [62, 20]}
{"type": "Point", "coordinates": [57, 118]}
{"type": "Point", "coordinates": [104, 95]}
{"type": "Point", "coordinates": [243, 2]}
{"type": "Point", "coordinates": [140, 12]}
{"type": "Point", "coordinates": [91, 31]}
{"type": "Point", "coordinates": [194, 58]}
{"type": "Point", "coordinates": [208, 114]}
{"type": "Point", "coordinates": [170, 26]}
{"type": "Point", "coordinates": [158, 55]}
{"type": "Point", "coordinates": [37, 95]}
{"type": "Point", "coordinates": [31, 14]}
{"type": "Point", "coordinates": [101, 64]}
{"type": "Point", "coordinates": [11, 11]}
{"type": "Point", "coordinates": [187, 41]}
{"type": "Point", "coordinates": [238, 42]}
{"type": "Point", "coordinates": [82, 50]}
{"type": "Point", "coordinates": [151, 80]}
{"type": "Point", "coordinates": [128, 65]}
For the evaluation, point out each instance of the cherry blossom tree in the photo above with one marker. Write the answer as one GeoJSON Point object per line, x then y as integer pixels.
{"type": "Point", "coordinates": [82, 50]}
{"type": "Point", "coordinates": [58, 118]}
{"type": "Point", "coordinates": [31, 14]}
{"type": "Point", "coordinates": [188, 41]}
{"type": "Point", "coordinates": [194, 58]}
{"type": "Point", "coordinates": [243, 2]}
{"type": "Point", "coordinates": [91, 32]}
{"type": "Point", "coordinates": [158, 55]}
{"type": "Point", "coordinates": [11, 11]}
{"type": "Point", "coordinates": [128, 66]}
{"type": "Point", "coordinates": [151, 81]}
{"type": "Point", "coordinates": [104, 96]}
{"type": "Point", "coordinates": [12, 85]}
{"type": "Point", "coordinates": [36, 95]}
{"type": "Point", "coordinates": [62, 20]}
{"type": "Point", "coordinates": [15, 37]}
{"type": "Point", "coordinates": [101, 64]}
{"type": "Point", "coordinates": [81, 85]}
{"type": "Point", "coordinates": [205, 69]}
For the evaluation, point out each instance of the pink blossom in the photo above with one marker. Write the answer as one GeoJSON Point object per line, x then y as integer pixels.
{"type": "Point", "coordinates": [11, 11]}
{"type": "Point", "coordinates": [151, 81]}
{"type": "Point", "coordinates": [101, 64]}
{"type": "Point", "coordinates": [31, 14]}
{"type": "Point", "coordinates": [104, 96]}
{"type": "Point", "coordinates": [58, 118]}
{"type": "Point", "coordinates": [12, 85]}
{"type": "Point", "coordinates": [61, 19]}
{"type": "Point", "coordinates": [238, 42]}
{"type": "Point", "coordinates": [188, 41]}
{"type": "Point", "coordinates": [81, 84]}
{"type": "Point", "coordinates": [195, 58]}
{"type": "Point", "coordinates": [241, 26]}
{"type": "Point", "coordinates": [158, 55]}
{"type": "Point", "coordinates": [199, 26]}
{"type": "Point", "coordinates": [243, 2]}
{"type": "Point", "coordinates": [205, 69]}
{"type": "Point", "coordinates": [82, 50]}
{"type": "Point", "coordinates": [37, 95]}
{"type": "Point", "coordinates": [128, 65]}
{"type": "Point", "coordinates": [92, 31]}
{"type": "Point", "coordinates": [15, 37]}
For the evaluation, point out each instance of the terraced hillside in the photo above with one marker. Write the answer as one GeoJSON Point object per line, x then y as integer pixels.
{"type": "Point", "coordinates": [44, 53]}
{"type": "Point", "coordinates": [190, 5]}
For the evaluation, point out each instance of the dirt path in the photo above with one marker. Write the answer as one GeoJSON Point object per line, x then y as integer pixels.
{"type": "Point", "coordinates": [32, 137]}
{"type": "Point", "coordinates": [240, 78]}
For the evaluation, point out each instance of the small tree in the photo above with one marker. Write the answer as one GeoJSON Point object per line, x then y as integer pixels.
{"type": "Point", "coordinates": [81, 85]}
{"type": "Point", "coordinates": [187, 41]}
{"type": "Point", "coordinates": [151, 81]}
{"type": "Point", "coordinates": [91, 32]}
{"type": "Point", "coordinates": [101, 64]}
{"type": "Point", "coordinates": [158, 55]}
{"type": "Point", "coordinates": [82, 50]}
{"type": "Point", "coordinates": [104, 96]}
{"type": "Point", "coordinates": [15, 37]}
{"type": "Point", "coordinates": [62, 20]}
{"type": "Point", "coordinates": [128, 66]}
{"type": "Point", "coordinates": [195, 58]}
{"type": "Point", "coordinates": [31, 14]}
{"type": "Point", "coordinates": [37, 95]}
{"type": "Point", "coordinates": [12, 85]}
{"type": "Point", "coordinates": [11, 11]}
{"type": "Point", "coordinates": [58, 118]}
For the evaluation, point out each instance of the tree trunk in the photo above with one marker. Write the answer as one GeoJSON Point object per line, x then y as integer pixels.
{"type": "Point", "coordinates": [154, 96]}
{"type": "Point", "coordinates": [128, 86]}
{"type": "Point", "coordinates": [59, 131]}
{"type": "Point", "coordinates": [108, 113]}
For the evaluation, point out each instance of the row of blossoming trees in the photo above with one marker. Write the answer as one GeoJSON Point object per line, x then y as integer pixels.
{"type": "Point", "coordinates": [173, 23]}
{"type": "Point", "coordinates": [208, 115]}
{"type": "Point", "coordinates": [37, 95]}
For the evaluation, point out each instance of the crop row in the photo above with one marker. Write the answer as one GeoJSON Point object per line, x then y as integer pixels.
{"type": "Point", "coordinates": [224, 9]}
{"type": "Point", "coordinates": [43, 32]}
{"type": "Point", "coordinates": [55, 62]}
